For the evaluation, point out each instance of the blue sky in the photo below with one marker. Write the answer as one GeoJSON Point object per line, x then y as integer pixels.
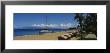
{"type": "Point", "coordinates": [34, 19]}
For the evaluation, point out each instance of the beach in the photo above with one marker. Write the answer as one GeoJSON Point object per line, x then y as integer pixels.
{"type": "Point", "coordinates": [45, 36]}
{"type": "Point", "coordinates": [56, 36]}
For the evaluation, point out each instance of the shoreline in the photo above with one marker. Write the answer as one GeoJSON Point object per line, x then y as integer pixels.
{"type": "Point", "coordinates": [56, 36]}
{"type": "Point", "coordinates": [45, 36]}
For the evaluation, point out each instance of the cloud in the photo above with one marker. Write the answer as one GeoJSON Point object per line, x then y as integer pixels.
{"type": "Point", "coordinates": [66, 25]}
{"type": "Point", "coordinates": [69, 25]}
{"type": "Point", "coordinates": [43, 25]}
{"type": "Point", "coordinates": [53, 25]}
{"type": "Point", "coordinates": [34, 25]}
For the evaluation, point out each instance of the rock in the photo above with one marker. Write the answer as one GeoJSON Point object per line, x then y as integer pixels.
{"type": "Point", "coordinates": [62, 37]}
{"type": "Point", "coordinates": [90, 36]}
{"type": "Point", "coordinates": [75, 38]}
{"type": "Point", "coordinates": [67, 35]}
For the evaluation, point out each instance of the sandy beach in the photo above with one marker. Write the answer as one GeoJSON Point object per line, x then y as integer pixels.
{"type": "Point", "coordinates": [46, 36]}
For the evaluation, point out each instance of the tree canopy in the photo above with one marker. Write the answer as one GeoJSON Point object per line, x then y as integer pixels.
{"type": "Point", "coordinates": [87, 21]}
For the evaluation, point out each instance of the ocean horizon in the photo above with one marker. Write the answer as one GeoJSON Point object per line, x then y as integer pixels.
{"type": "Point", "coordinates": [21, 32]}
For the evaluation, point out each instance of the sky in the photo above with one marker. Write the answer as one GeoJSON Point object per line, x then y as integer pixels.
{"type": "Point", "coordinates": [39, 19]}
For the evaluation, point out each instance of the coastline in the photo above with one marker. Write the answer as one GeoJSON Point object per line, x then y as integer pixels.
{"type": "Point", "coordinates": [45, 36]}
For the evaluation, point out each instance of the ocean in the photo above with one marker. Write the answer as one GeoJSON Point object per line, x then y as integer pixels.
{"type": "Point", "coordinates": [21, 32]}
